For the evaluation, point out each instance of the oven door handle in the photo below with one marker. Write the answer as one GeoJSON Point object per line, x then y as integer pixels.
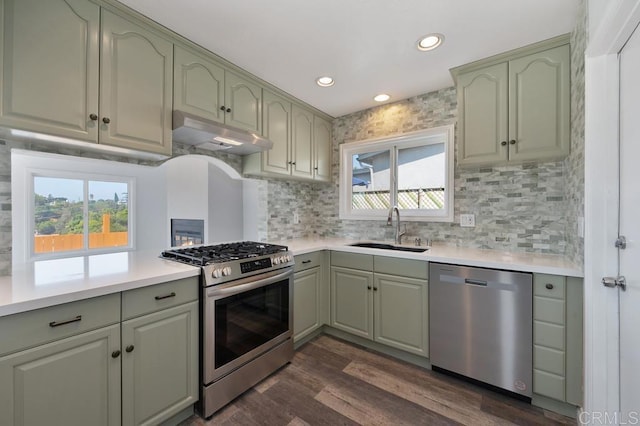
{"type": "Point", "coordinates": [219, 292]}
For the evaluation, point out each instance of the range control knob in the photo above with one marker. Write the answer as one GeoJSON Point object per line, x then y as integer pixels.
{"type": "Point", "coordinates": [226, 271]}
{"type": "Point", "coordinates": [217, 273]}
{"type": "Point", "coordinates": [275, 260]}
{"type": "Point", "coordinates": [288, 257]}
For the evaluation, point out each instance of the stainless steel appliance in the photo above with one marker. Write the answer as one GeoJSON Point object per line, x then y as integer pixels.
{"type": "Point", "coordinates": [481, 325]}
{"type": "Point", "coordinates": [206, 134]}
{"type": "Point", "coordinates": [246, 315]}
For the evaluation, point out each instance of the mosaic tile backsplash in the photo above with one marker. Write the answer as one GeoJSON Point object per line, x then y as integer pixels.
{"type": "Point", "coordinates": [518, 208]}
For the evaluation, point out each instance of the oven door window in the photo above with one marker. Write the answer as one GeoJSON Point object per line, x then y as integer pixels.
{"type": "Point", "coordinates": [245, 321]}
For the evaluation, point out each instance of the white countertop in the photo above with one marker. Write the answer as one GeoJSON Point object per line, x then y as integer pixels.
{"type": "Point", "coordinates": [525, 262]}
{"type": "Point", "coordinates": [51, 282]}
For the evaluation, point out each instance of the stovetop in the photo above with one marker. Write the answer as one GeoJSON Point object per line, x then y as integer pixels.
{"type": "Point", "coordinates": [219, 253]}
{"type": "Point", "coordinates": [222, 263]}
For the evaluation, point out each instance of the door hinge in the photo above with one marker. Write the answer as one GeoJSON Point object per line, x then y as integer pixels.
{"type": "Point", "coordinates": [621, 242]}
{"type": "Point", "coordinates": [619, 281]}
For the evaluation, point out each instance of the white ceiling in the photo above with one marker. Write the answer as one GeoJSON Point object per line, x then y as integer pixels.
{"type": "Point", "coordinates": [368, 46]}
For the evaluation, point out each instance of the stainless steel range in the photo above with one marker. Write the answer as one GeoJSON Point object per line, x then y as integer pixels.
{"type": "Point", "coordinates": [246, 315]}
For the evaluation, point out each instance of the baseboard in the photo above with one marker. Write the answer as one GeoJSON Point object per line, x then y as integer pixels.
{"type": "Point", "coordinates": [304, 339]}
{"type": "Point", "coordinates": [378, 347]}
{"type": "Point", "coordinates": [178, 418]}
{"type": "Point", "coordinates": [554, 405]}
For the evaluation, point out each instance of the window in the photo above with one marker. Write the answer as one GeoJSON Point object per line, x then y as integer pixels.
{"type": "Point", "coordinates": [72, 214]}
{"type": "Point", "coordinates": [412, 171]}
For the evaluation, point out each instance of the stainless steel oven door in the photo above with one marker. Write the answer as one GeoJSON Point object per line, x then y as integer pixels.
{"type": "Point", "coordinates": [245, 318]}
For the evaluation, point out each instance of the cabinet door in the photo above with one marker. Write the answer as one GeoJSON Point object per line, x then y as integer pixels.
{"type": "Point", "coordinates": [159, 364]}
{"type": "Point", "coordinates": [549, 335]}
{"type": "Point", "coordinates": [539, 101]}
{"type": "Point", "coordinates": [301, 146]}
{"type": "Point", "coordinates": [244, 99]}
{"type": "Point", "coordinates": [198, 85]}
{"type": "Point", "coordinates": [136, 87]}
{"type": "Point", "coordinates": [49, 66]}
{"type": "Point", "coordinates": [306, 302]}
{"type": "Point", "coordinates": [277, 128]}
{"type": "Point", "coordinates": [321, 149]}
{"type": "Point", "coordinates": [351, 301]}
{"type": "Point", "coordinates": [73, 381]}
{"type": "Point", "coordinates": [482, 100]}
{"type": "Point", "coordinates": [401, 313]}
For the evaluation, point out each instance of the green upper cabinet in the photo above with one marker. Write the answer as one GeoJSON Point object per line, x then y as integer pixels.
{"type": "Point", "coordinates": [74, 70]}
{"type": "Point", "coordinates": [515, 107]}
{"type": "Point", "coordinates": [243, 103]}
{"type": "Point", "coordinates": [136, 86]}
{"type": "Point", "coordinates": [277, 128]}
{"type": "Point", "coordinates": [483, 100]}
{"type": "Point", "coordinates": [198, 85]}
{"type": "Point", "coordinates": [322, 149]}
{"type": "Point", "coordinates": [301, 142]}
{"type": "Point", "coordinates": [49, 56]}
{"type": "Point", "coordinates": [205, 88]}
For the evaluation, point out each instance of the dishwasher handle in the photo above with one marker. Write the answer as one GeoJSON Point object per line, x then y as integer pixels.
{"type": "Point", "coordinates": [475, 282]}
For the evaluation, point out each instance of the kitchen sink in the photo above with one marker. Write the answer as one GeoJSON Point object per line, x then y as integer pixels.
{"type": "Point", "coordinates": [390, 247]}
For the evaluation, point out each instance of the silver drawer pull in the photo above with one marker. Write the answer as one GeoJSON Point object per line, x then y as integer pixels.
{"type": "Point", "coordinates": [58, 324]}
{"type": "Point", "coordinates": [166, 296]}
{"type": "Point", "coordinates": [305, 261]}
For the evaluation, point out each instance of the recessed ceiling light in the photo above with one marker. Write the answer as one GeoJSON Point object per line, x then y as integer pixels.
{"type": "Point", "coordinates": [381, 97]}
{"type": "Point", "coordinates": [324, 81]}
{"type": "Point", "coordinates": [429, 42]}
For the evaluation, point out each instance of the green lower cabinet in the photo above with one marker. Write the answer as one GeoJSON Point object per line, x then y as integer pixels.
{"type": "Point", "coordinates": [352, 301]}
{"type": "Point", "coordinates": [73, 381]}
{"type": "Point", "coordinates": [375, 303]}
{"type": "Point", "coordinates": [307, 297]}
{"type": "Point", "coordinates": [159, 364]}
{"type": "Point", "coordinates": [557, 337]}
{"type": "Point", "coordinates": [400, 313]}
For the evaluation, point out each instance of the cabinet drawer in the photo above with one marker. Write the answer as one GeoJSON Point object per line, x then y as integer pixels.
{"type": "Point", "coordinates": [309, 260]}
{"type": "Point", "coordinates": [161, 296]}
{"type": "Point", "coordinates": [401, 267]}
{"type": "Point", "coordinates": [548, 384]}
{"type": "Point", "coordinates": [556, 282]}
{"type": "Point", "coordinates": [549, 335]}
{"type": "Point", "coordinates": [548, 310]}
{"type": "Point", "coordinates": [549, 360]}
{"type": "Point", "coordinates": [352, 260]}
{"type": "Point", "coordinates": [33, 328]}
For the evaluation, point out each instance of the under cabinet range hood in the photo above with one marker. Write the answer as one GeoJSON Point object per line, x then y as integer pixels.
{"type": "Point", "coordinates": [193, 130]}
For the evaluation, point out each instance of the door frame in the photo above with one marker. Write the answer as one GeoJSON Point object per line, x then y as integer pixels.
{"type": "Point", "coordinates": [610, 27]}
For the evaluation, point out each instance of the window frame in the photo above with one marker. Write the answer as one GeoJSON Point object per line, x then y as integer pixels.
{"type": "Point", "coordinates": [32, 173]}
{"type": "Point", "coordinates": [393, 143]}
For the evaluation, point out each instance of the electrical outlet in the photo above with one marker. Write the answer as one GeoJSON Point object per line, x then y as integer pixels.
{"type": "Point", "coordinates": [296, 218]}
{"type": "Point", "coordinates": [468, 220]}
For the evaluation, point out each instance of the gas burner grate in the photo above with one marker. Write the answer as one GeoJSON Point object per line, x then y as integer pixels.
{"type": "Point", "coordinates": [205, 255]}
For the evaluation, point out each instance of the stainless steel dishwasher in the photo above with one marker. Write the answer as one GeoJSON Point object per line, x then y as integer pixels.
{"type": "Point", "coordinates": [481, 325]}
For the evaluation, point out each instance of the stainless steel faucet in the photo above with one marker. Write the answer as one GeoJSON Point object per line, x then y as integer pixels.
{"type": "Point", "coordinates": [398, 236]}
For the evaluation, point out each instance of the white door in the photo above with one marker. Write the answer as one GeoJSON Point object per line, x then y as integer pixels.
{"type": "Point", "coordinates": [629, 265]}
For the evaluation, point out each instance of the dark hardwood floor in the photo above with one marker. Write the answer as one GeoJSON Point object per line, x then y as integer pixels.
{"type": "Point", "coordinates": [333, 382]}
